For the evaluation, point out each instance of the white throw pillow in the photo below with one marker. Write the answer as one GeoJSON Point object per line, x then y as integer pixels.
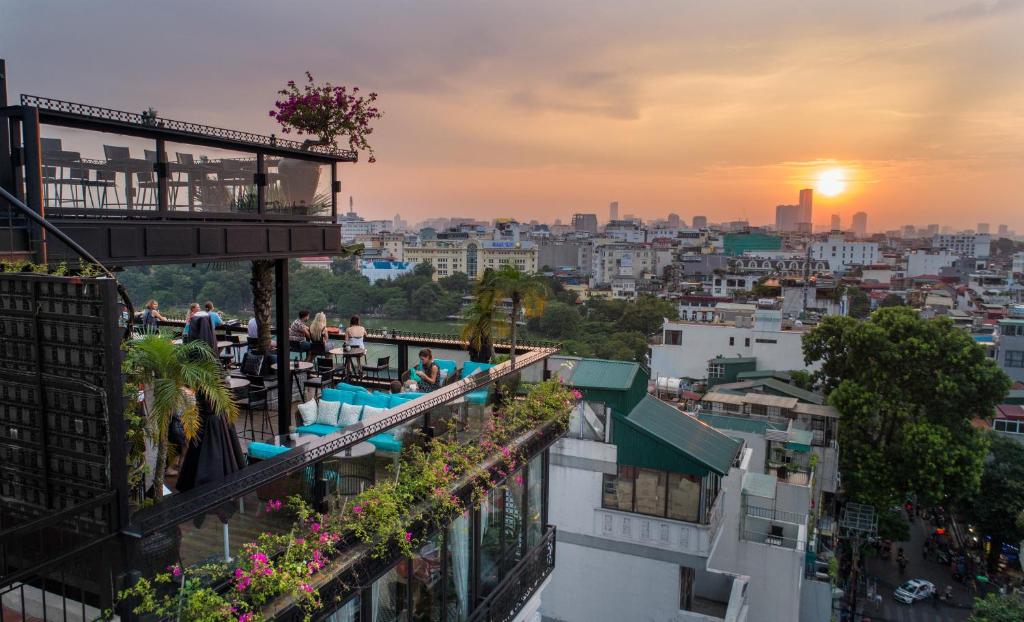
{"type": "Point", "coordinates": [349, 414]}
{"type": "Point", "coordinates": [327, 413]}
{"type": "Point", "coordinates": [307, 412]}
{"type": "Point", "coordinates": [370, 411]}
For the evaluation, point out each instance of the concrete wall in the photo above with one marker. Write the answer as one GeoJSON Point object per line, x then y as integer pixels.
{"type": "Point", "coordinates": [702, 342]}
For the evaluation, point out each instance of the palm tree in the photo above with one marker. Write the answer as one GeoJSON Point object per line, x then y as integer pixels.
{"type": "Point", "coordinates": [168, 370]}
{"type": "Point", "coordinates": [528, 292]}
{"type": "Point", "coordinates": [479, 330]}
{"type": "Point", "coordinates": [262, 284]}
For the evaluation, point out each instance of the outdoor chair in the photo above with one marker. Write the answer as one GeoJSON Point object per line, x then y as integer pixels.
{"type": "Point", "coordinates": [320, 377]}
{"type": "Point", "coordinates": [256, 400]}
{"type": "Point", "coordinates": [383, 365]}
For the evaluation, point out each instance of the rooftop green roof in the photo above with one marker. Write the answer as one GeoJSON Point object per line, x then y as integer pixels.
{"type": "Point", "coordinates": [691, 439]}
{"type": "Point", "coordinates": [764, 373]}
{"type": "Point", "coordinates": [776, 385]}
{"type": "Point", "coordinates": [603, 374]}
{"type": "Point", "coordinates": [739, 424]}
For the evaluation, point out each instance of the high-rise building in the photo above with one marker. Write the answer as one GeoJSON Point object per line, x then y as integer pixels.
{"type": "Point", "coordinates": [700, 222]}
{"type": "Point", "coordinates": [1004, 230]}
{"type": "Point", "coordinates": [613, 210]}
{"type": "Point", "coordinates": [836, 224]}
{"type": "Point", "coordinates": [787, 217]}
{"type": "Point", "coordinates": [983, 228]}
{"type": "Point", "coordinates": [806, 205]}
{"type": "Point", "coordinates": [932, 229]}
{"type": "Point", "coordinates": [859, 225]}
{"type": "Point", "coordinates": [674, 220]}
{"type": "Point", "coordinates": [585, 222]}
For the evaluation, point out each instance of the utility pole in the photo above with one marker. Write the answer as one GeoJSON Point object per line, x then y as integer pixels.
{"type": "Point", "coordinates": [858, 523]}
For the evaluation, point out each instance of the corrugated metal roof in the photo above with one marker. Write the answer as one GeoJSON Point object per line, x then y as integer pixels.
{"type": "Point", "coordinates": [739, 424]}
{"type": "Point", "coordinates": [688, 435]}
{"type": "Point", "coordinates": [752, 398]}
{"type": "Point", "coordinates": [759, 484]}
{"type": "Point", "coordinates": [775, 385]}
{"type": "Point", "coordinates": [817, 410]}
{"type": "Point", "coordinates": [603, 374]}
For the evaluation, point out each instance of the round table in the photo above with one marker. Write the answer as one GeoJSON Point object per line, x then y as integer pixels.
{"type": "Point", "coordinates": [235, 382]}
{"type": "Point", "coordinates": [351, 356]}
{"type": "Point", "coordinates": [359, 450]}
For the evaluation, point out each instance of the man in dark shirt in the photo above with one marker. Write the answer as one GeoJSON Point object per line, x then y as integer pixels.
{"type": "Point", "coordinates": [298, 334]}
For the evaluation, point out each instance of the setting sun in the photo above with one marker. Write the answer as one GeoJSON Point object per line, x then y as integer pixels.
{"type": "Point", "coordinates": [831, 182]}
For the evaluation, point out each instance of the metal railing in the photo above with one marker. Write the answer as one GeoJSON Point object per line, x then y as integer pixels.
{"type": "Point", "coordinates": [781, 516]}
{"type": "Point", "coordinates": [503, 604]}
{"type": "Point", "coordinates": [185, 127]}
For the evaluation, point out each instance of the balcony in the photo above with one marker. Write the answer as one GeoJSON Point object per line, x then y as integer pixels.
{"type": "Point", "coordinates": [135, 188]}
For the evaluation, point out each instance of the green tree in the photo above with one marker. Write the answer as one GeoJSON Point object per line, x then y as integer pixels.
{"type": "Point", "coordinates": [859, 303]}
{"type": "Point", "coordinates": [167, 370]}
{"type": "Point", "coordinates": [456, 283]}
{"type": "Point", "coordinates": [802, 379]}
{"type": "Point", "coordinates": [481, 320]}
{"type": "Point", "coordinates": [559, 321]}
{"type": "Point", "coordinates": [907, 390]}
{"type": "Point", "coordinates": [528, 293]}
{"type": "Point", "coordinates": [761, 290]}
{"type": "Point", "coordinates": [996, 508]}
{"type": "Point", "coordinates": [998, 608]}
{"type": "Point", "coordinates": [646, 315]}
{"type": "Point", "coordinates": [891, 300]}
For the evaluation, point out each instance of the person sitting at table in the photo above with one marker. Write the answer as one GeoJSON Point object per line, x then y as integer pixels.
{"type": "Point", "coordinates": [318, 335]}
{"type": "Point", "coordinates": [429, 377]}
{"type": "Point", "coordinates": [396, 386]}
{"type": "Point", "coordinates": [151, 317]}
{"type": "Point", "coordinates": [192, 310]}
{"type": "Point", "coordinates": [253, 329]}
{"type": "Point", "coordinates": [214, 315]}
{"type": "Point", "coordinates": [298, 334]}
{"type": "Point", "coordinates": [354, 337]}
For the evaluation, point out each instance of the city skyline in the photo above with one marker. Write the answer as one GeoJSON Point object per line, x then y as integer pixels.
{"type": "Point", "coordinates": [724, 111]}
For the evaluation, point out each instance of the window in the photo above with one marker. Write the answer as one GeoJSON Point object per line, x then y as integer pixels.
{"type": "Point", "coordinates": [765, 341]}
{"type": "Point", "coordinates": [675, 337]}
{"type": "Point", "coordinates": [618, 490]}
{"type": "Point", "coordinates": [656, 493]}
{"type": "Point", "coordinates": [746, 342]}
{"type": "Point", "coordinates": [732, 341]}
{"type": "Point", "coordinates": [686, 575]}
{"type": "Point", "coordinates": [684, 497]}
{"type": "Point", "coordinates": [1014, 358]}
{"type": "Point", "coordinates": [650, 491]}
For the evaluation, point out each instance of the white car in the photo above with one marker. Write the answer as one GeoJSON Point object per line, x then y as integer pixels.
{"type": "Point", "coordinates": [915, 589]}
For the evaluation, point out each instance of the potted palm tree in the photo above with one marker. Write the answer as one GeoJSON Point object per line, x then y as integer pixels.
{"type": "Point", "coordinates": [479, 329]}
{"type": "Point", "coordinates": [169, 372]}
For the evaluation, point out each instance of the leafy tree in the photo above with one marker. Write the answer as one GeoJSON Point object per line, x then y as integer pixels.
{"type": "Point", "coordinates": [859, 304]}
{"type": "Point", "coordinates": [606, 310]}
{"type": "Point", "coordinates": [481, 320]}
{"type": "Point", "coordinates": [907, 390]}
{"type": "Point", "coordinates": [996, 507]}
{"type": "Point", "coordinates": [528, 293]}
{"type": "Point", "coordinates": [456, 284]}
{"type": "Point", "coordinates": [760, 290]}
{"type": "Point", "coordinates": [802, 379]}
{"type": "Point", "coordinates": [998, 608]}
{"type": "Point", "coordinates": [167, 370]}
{"type": "Point", "coordinates": [891, 300]}
{"type": "Point", "coordinates": [559, 321]}
{"type": "Point", "coordinates": [424, 269]}
{"type": "Point", "coordinates": [647, 315]}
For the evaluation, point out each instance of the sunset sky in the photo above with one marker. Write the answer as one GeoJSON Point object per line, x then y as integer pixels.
{"type": "Point", "coordinates": [541, 109]}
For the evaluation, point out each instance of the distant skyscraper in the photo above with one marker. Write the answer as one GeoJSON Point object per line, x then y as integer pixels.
{"type": "Point", "coordinates": [835, 223]}
{"type": "Point", "coordinates": [613, 210]}
{"type": "Point", "coordinates": [787, 217]}
{"type": "Point", "coordinates": [585, 222]}
{"type": "Point", "coordinates": [674, 220]}
{"type": "Point", "coordinates": [806, 205]}
{"type": "Point", "coordinates": [860, 224]}
{"type": "Point", "coordinates": [933, 229]}
{"type": "Point", "coordinates": [982, 227]}
{"type": "Point", "coordinates": [700, 222]}
{"type": "Point", "coordinates": [1004, 230]}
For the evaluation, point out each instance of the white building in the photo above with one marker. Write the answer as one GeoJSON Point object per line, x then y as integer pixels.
{"type": "Point", "coordinates": [614, 260]}
{"type": "Point", "coordinates": [353, 226]}
{"type": "Point", "coordinates": [656, 519]}
{"type": "Point", "coordinates": [929, 262]}
{"type": "Point", "coordinates": [1018, 263]}
{"type": "Point", "coordinates": [383, 269]}
{"type": "Point", "coordinates": [842, 255]}
{"type": "Point", "coordinates": [687, 347]}
{"type": "Point", "coordinates": [728, 284]}
{"type": "Point", "coordinates": [964, 244]}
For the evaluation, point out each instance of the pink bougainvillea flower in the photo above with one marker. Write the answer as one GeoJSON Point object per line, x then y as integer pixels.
{"type": "Point", "coordinates": [357, 509]}
{"type": "Point", "coordinates": [408, 536]}
{"type": "Point", "coordinates": [315, 527]}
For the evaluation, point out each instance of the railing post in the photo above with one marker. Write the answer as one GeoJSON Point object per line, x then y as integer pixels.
{"type": "Point", "coordinates": [261, 184]}
{"type": "Point", "coordinates": [335, 188]}
{"type": "Point", "coordinates": [34, 177]}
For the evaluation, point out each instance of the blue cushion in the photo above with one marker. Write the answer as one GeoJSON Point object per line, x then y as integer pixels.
{"type": "Point", "coordinates": [334, 395]}
{"type": "Point", "coordinates": [397, 400]}
{"type": "Point", "coordinates": [264, 451]}
{"type": "Point", "coordinates": [344, 386]}
{"type": "Point", "coordinates": [477, 397]}
{"type": "Point", "coordinates": [320, 429]}
{"type": "Point", "coordinates": [386, 442]}
{"type": "Point", "coordinates": [374, 400]}
{"type": "Point", "coordinates": [445, 365]}
{"type": "Point", "coordinates": [469, 368]}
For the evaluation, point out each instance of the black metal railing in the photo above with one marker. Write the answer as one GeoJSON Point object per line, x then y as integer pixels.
{"type": "Point", "coordinates": [503, 604]}
{"type": "Point", "coordinates": [184, 127]}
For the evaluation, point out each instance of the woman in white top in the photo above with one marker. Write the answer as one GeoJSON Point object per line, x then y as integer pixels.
{"type": "Point", "coordinates": [354, 336]}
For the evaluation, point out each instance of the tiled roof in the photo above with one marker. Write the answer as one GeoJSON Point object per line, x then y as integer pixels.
{"type": "Point", "coordinates": [688, 435]}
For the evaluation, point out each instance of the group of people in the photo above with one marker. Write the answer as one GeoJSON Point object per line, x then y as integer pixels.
{"type": "Point", "coordinates": [312, 338]}
{"type": "Point", "coordinates": [151, 316]}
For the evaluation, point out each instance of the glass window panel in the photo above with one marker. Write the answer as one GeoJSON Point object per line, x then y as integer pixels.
{"type": "Point", "coordinates": [349, 612]}
{"type": "Point", "coordinates": [684, 497]}
{"type": "Point", "coordinates": [388, 594]}
{"type": "Point", "coordinates": [457, 593]}
{"type": "Point", "coordinates": [298, 187]}
{"type": "Point", "coordinates": [426, 581]}
{"type": "Point", "coordinates": [204, 179]}
{"type": "Point", "coordinates": [513, 520]}
{"type": "Point", "coordinates": [650, 492]}
{"type": "Point", "coordinates": [490, 540]}
{"type": "Point", "coordinates": [535, 502]}
{"type": "Point", "coordinates": [618, 490]}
